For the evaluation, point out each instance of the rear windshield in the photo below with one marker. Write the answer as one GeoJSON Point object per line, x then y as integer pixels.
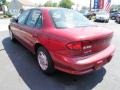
{"type": "Point", "coordinates": [67, 18]}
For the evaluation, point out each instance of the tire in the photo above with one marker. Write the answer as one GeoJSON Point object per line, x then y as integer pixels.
{"type": "Point", "coordinates": [45, 61]}
{"type": "Point", "coordinates": [12, 36]}
{"type": "Point", "coordinates": [106, 21]}
{"type": "Point", "coordinates": [113, 18]}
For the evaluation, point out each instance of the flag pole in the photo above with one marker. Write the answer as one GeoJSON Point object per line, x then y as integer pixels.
{"type": "Point", "coordinates": [90, 4]}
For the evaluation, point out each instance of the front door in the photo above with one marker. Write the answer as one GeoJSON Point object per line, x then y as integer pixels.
{"type": "Point", "coordinates": [18, 27]}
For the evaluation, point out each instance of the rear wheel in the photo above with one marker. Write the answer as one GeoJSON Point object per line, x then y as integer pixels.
{"type": "Point", "coordinates": [45, 61]}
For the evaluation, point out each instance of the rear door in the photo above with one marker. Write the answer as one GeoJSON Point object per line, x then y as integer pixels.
{"type": "Point", "coordinates": [32, 27]}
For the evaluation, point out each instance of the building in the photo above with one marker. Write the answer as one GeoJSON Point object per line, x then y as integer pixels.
{"type": "Point", "coordinates": [17, 5]}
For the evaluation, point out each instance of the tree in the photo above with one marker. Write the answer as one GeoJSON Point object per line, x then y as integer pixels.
{"type": "Point", "coordinates": [2, 2]}
{"type": "Point", "coordinates": [66, 3]}
{"type": "Point", "coordinates": [50, 4]}
{"type": "Point", "coordinates": [54, 5]}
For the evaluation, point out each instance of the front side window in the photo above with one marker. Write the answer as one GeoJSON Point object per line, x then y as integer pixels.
{"type": "Point", "coordinates": [66, 18]}
{"type": "Point", "coordinates": [23, 16]}
{"type": "Point", "coordinates": [33, 18]}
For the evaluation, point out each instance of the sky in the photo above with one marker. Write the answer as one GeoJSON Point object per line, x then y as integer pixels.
{"type": "Point", "coordinates": [80, 2]}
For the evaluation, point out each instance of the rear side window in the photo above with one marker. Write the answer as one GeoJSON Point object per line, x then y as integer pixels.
{"type": "Point", "coordinates": [23, 16]}
{"type": "Point", "coordinates": [34, 19]}
{"type": "Point", "coordinates": [39, 22]}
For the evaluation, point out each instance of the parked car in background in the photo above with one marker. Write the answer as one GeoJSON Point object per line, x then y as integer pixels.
{"type": "Point", "coordinates": [63, 39]}
{"type": "Point", "coordinates": [88, 14]}
{"type": "Point", "coordinates": [113, 15]}
{"type": "Point", "coordinates": [117, 19]}
{"type": "Point", "coordinates": [102, 16]}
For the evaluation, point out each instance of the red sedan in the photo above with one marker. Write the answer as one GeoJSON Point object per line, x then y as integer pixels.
{"type": "Point", "coordinates": [63, 39]}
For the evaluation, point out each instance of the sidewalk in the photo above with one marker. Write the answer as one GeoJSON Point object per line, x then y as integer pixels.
{"type": "Point", "coordinates": [10, 79]}
{"type": "Point", "coordinates": [4, 24]}
{"type": "Point", "coordinates": [3, 27]}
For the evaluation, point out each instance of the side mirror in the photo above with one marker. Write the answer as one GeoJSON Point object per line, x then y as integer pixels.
{"type": "Point", "coordinates": [14, 20]}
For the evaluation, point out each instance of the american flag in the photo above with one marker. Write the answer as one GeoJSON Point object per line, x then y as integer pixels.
{"type": "Point", "coordinates": [101, 4]}
{"type": "Point", "coordinates": [107, 5]}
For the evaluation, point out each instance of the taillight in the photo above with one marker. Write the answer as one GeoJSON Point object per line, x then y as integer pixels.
{"type": "Point", "coordinates": [74, 46]}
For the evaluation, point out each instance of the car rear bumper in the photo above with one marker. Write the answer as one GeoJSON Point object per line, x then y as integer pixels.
{"type": "Point", "coordinates": [83, 65]}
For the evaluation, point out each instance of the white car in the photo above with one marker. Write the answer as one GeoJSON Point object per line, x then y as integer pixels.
{"type": "Point", "coordinates": [102, 16]}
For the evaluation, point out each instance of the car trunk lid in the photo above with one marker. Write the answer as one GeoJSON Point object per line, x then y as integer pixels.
{"type": "Point", "coordinates": [93, 39]}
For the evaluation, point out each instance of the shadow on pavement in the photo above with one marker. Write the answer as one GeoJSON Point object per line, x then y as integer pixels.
{"type": "Point", "coordinates": [28, 69]}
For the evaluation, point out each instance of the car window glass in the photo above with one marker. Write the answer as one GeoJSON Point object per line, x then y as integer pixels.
{"type": "Point", "coordinates": [22, 17]}
{"type": "Point", "coordinates": [65, 18]}
{"type": "Point", "coordinates": [33, 17]}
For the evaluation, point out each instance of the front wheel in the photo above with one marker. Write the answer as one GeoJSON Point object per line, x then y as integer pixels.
{"type": "Point", "coordinates": [45, 61]}
{"type": "Point", "coordinates": [11, 36]}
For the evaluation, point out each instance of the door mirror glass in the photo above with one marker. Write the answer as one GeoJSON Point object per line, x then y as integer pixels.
{"type": "Point", "coordinates": [14, 20]}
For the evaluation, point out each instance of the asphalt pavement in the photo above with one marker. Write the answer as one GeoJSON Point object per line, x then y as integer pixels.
{"type": "Point", "coordinates": [19, 69]}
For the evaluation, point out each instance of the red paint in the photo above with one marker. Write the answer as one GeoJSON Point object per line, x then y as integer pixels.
{"type": "Point", "coordinates": [75, 51]}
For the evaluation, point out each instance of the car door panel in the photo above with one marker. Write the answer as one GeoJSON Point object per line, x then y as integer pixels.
{"type": "Point", "coordinates": [29, 32]}
{"type": "Point", "coordinates": [18, 27]}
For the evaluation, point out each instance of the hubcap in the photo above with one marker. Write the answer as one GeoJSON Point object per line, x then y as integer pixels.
{"type": "Point", "coordinates": [42, 60]}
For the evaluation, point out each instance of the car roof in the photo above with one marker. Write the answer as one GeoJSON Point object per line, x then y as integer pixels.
{"type": "Point", "coordinates": [48, 8]}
